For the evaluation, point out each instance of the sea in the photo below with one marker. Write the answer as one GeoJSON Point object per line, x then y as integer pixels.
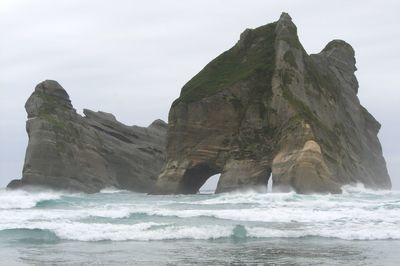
{"type": "Point", "coordinates": [114, 227]}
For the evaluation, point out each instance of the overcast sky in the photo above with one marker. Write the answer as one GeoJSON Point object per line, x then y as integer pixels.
{"type": "Point", "coordinates": [131, 58]}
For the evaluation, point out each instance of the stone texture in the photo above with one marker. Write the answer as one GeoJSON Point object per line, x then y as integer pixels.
{"type": "Point", "coordinates": [266, 106]}
{"type": "Point", "coordinates": [69, 152]}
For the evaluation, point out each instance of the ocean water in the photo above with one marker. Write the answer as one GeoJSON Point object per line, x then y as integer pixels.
{"type": "Point", "coordinates": [359, 227]}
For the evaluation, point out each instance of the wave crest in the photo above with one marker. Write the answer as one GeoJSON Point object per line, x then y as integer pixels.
{"type": "Point", "coordinates": [20, 199]}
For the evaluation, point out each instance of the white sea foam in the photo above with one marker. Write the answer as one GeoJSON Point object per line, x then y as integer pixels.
{"type": "Point", "coordinates": [361, 189]}
{"type": "Point", "coordinates": [20, 199]}
{"type": "Point", "coordinates": [160, 231]}
{"type": "Point", "coordinates": [358, 214]}
{"type": "Point", "coordinates": [346, 232]}
{"type": "Point", "coordinates": [121, 232]}
{"type": "Point", "coordinates": [110, 190]}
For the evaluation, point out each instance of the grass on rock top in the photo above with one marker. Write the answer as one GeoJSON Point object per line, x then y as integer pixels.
{"type": "Point", "coordinates": [254, 53]}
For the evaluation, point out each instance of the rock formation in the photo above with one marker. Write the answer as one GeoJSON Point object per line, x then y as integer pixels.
{"type": "Point", "coordinates": [267, 108]}
{"type": "Point", "coordinates": [70, 152]}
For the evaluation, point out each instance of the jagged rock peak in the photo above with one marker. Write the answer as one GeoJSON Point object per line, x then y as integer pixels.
{"type": "Point", "coordinates": [48, 97]}
{"type": "Point", "coordinates": [158, 123]}
{"type": "Point", "coordinates": [285, 18]}
{"type": "Point", "coordinates": [341, 54]}
{"type": "Point", "coordinates": [340, 45]}
{"type": "Point", "coordinates": [285, 25]}
{"type": "Point", "coordinates": [52, 87]}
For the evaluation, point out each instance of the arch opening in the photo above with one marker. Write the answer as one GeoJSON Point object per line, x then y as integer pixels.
{"type": "Point", "coordinates": [195, 178]}
{"type": "Point", "coordinates": [210, 186]}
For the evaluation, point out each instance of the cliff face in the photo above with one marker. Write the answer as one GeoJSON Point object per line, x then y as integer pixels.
{"type": "Point", "coordinates": [267, 108]}
{"type": "Point", "coordinates": [70, 152]}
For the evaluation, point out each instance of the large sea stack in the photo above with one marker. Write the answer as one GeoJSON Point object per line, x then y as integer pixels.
{"type": "Point", "coordinates": [69, 152]}
{"type": "Point", "coordinates": [267, 108]}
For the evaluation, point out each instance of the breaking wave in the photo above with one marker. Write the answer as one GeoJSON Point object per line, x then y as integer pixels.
{"type": "Point", "coordinates": [357, 214]}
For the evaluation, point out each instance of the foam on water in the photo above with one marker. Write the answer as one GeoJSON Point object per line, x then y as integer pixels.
{"type": "Point", "coordinates": [111, 190]}
{"type": "Point", "coordinates": [19, 199]}
{"type": "Point", "coordinates": [357, 214]}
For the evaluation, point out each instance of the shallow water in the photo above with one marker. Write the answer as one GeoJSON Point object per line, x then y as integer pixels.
{"type": "Point", "coordinates": [359, 227]}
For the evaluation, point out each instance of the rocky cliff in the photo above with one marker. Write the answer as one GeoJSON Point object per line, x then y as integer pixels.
{"type": "Point", "coordinates": [267, 108]}
{"type": "Point", "coordinates": [70, 152]}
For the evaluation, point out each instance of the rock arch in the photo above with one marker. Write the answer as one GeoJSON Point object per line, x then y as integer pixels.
{"type": "Point", "coordinates": [267, 106]}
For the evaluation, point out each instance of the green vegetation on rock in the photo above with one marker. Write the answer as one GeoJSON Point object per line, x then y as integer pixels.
{"type": "Point", "coordinates": [253, 54]}
{"type": "Point", "coordinates": [57, 124]}
{"type": "Point", "coordinates": [50, 103]}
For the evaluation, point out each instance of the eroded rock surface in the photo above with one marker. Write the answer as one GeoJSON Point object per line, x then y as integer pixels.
{"type": "Point", "coordinates": [267, 107]}
{"type": "Point", "coordinates": [69, 152]}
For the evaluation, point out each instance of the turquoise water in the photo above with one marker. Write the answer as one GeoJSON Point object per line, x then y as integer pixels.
{"type": "Point", "coordinates": [359, 227]}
